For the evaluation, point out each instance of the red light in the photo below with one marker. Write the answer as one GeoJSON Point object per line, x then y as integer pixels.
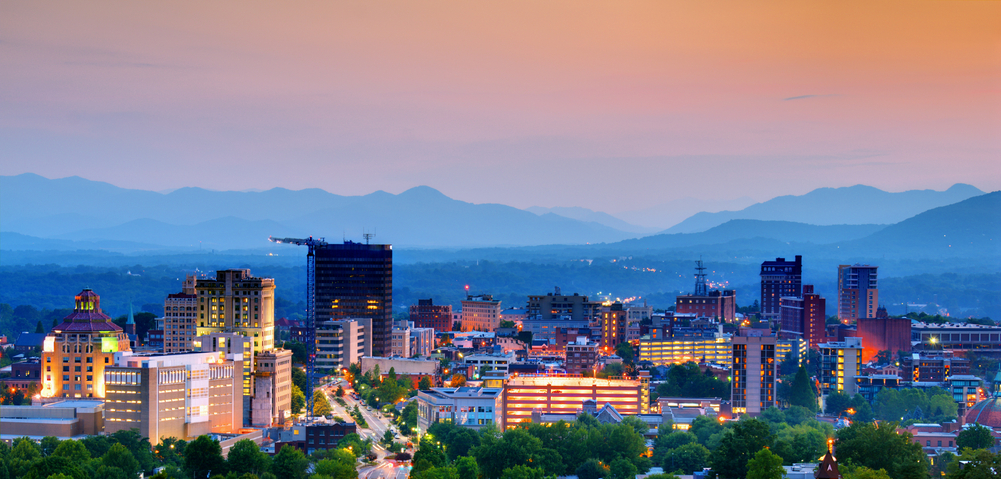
{"type": "Point", "coordinates": [467, 287]}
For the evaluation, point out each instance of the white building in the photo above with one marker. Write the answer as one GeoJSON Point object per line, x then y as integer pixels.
{"type": "Point", "coordinates": [465, 406]}
{"type": "Point", "coordinates": [342, 343]}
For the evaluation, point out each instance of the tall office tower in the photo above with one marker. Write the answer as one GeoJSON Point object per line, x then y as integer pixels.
{"type": "Point", "coordinates": [425, 314]}
{"type": "Point", "coordinates": [754, 373]}
{"type": "Point", "coordinates": [76, 351]}
{"type": "Point", "coordinates": [858, 293]}
{"type": "Point", "coordinates": [613, 326]}
{"type": "Point", "coordinates": [840, 364]}
{"type": "Point", "coordinates": [236, 302]}
{"type": "Point", "coordinates": [480, 313]}
{"type": "Point", "coordinates": [779, 278]}
{"type": "Point", "coordinates": [355, 280]}
{"type": "Point", "coordinates": [804, 317]}
{"type": "Point", "coordinates": [180, 318]}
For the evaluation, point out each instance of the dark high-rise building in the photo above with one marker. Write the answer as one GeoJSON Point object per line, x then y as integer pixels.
{"type": "Point", "coordinates": [425, 314]}
{"type": "Point", "coordinates": [780, 278]}
{"type": "Point", "coordinates": [355, 280]}
{"type": "Point", "coordinates": [858, 292]}
{"type": "Point", "coordinates": [804, 317]}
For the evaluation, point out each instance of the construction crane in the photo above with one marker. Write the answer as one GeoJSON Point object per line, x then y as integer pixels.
{"type": "Point", "coordinates": [310, 312]}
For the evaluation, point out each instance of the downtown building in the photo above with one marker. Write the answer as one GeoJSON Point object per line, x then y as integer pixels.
{"type": "Point", "coordinates": [556, 393]}
{"type": "Point", "coordinates": [237, 302]}
{"type": "Point", "coordinates": [426, 314]}
{"type": "Point", "coordinates": [840, 365]}
{"type": "Point", "coordinates": [721, 304]}
{"type": "Point", "coordinates": [779, 279]}
{"type": "Point", "coordinates": [614, 326]}
{"type": "Point", "coordinates": [754, 370]}
{"type": "Point", "coordinates": [355, 281]}
{"type": "Point", "coordinates": [174, 395]}
{"type": "Point", "coordinates": [858, 292]}
{"type": "Point", "coordinates": [76, 351]}
{"type": "Point", "coordinates": [180, 318]}
{"type": "Point", "coordinates": [339, 344]}
{"type": "Point", "coordinates": [480, 313]}
{"type": "Point", "coordinates": [804, 317]}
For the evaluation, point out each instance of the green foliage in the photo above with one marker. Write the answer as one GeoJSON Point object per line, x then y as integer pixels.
{"type": "Point", "coordinates": [612, 370]}
{"type": "Point", "coordinates": [467, 468]}
{"type": "Point", "coordinates": [246, 457]}
{"type": "Point", "coordinates": [522, 472]}
{"type": "Point", "coordinates": [687, 380]}
{"type": "Point", "coordinates": [974, 437]}
{"type": "Point", "coordinates": [424, 384]}
{"type": "Point", "coordinates": [341, 466]}
{"type": "Point", "coordinates": [73, 450]}
{"type": "Point", "coordinates": [407, 421]}
{"type": "Point", "coordinates": [975, 464]}
{"type": "Point", "coordinates": [625, 351]}
{"type": "Point", "coordinates": [861, 472]}
{"type": "Point", "coordinates": [925, 405]}
{"type": "Point", "coordinates": [45, 467]}
{"type": "Point", "coordinates": [321, 407]}
{"type": "Point", "coordinates": [880, 447]}
{"type": "Point", "coordinates": [299, 378]}
{"type": "Point", "coordinates": [203, 455]}
{"type": "Point", "coordinates": [289, 463]}
{"type": "Point", "coordinates": [591, 469]}
{"type": "Point", "coordinates": [802, 393]}
{"type": "Point", "coordinates": [49, 445]}
{"type": "Point", "coordinates": [120, 457]}
{"type": "Point", "coordinates": [686, 458]}
{"type": "Point", "coordinates": [747, 437]}
{"type": "Point", "coordinates": [765, 465]}
{"type": "Point", "coordinates": [837, 403]}
{"type": "Point", "coordinates": [340, 391]}
{"type": "Point", "coordinates": [704, 427]}
{"type": "Point", "coordinates": [298, 399]}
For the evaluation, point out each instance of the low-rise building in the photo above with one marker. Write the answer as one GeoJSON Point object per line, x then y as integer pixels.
{"type": "Point", "coordinates": [550, 393]}
{"type": "Point", "coordinates": [308, 438]}
{"type": "Point", "coordinates": [70, 419]}
{"type": "Point", "coordinates": [582, 356]}
{"type": "Point", "coordinates": [664, 352]}
{"type": "Point", "coordinates": [840, 364]}
{"type": "Point", "coordinates": [480, 313]}
{"type": "Point", "coordinates": [272, 402]}
{"type": "Point", "coordinates": [342, 343]}
{"type": "Point", "coordinates": [464, 406]}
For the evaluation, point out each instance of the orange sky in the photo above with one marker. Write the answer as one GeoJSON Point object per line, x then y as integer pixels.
{"type": "Point", "coordinates": [608, 105]}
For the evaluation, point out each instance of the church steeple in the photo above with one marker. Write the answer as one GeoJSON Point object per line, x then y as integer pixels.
{"type": "Point", "coordinates": [828, 468]}
{"type": "Point", "coordinates": [130, 324]}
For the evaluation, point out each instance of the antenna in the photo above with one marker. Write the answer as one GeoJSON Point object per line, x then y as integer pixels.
{"type": "Point", "coordinates": [368, 236]}
{"type": "Point", "coordinates": [700, 279]}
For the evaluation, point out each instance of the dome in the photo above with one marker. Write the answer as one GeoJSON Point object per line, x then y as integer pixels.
{"type": "Point", "coordinates": [986, 413]}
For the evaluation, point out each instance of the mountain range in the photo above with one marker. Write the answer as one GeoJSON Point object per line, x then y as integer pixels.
{"type": "Point", "coordinates": [75, 213]}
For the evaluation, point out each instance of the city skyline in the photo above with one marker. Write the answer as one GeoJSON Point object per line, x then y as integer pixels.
{"type": "Point", "coordinates": [684, 100]}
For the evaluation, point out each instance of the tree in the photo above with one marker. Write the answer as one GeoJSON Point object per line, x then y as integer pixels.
{"type": "Point", "coordinates": [458, 380]}
{"type": "Point", "coordinates": [340, 464]}
{"type": "Point", "coordinates": [748, 436]}
{"type": "Point", "coordinates": [321, 407]}
{"type": "Point", "coordinates": [591, 469]}
{"type": "Point", "coordinates": [424, 384]}
{"type": "Point", "coordinates": [202, 457]}
{"type": "Point", "coordinates": [246, 457]}
{"type": "Point", "coordinates": [974, 437]}
{"type": "Point", "coordinates": [289, 463]}
{"type": "Point", "coordinates": [802, 393]}
{"type": "Point", "coordinates": [49, 466]}
{"type": "Point", "coordinates": [39, 329]}
{"type": "Point", "coordinates": [299, 377]}
{"type": "Point", "coordinates": [837, 403]}
{"type": "Point", "coordinates": [861, 472]}
{"type": "Point", "coordinates": [687, 458]}
{"type": "Point", "coordinates": [765, 465]}
{"type": "Point", "coordinates": [340, 391]}
{"type": "Point", "coordinates": [622, 468]}
{"type": "Point", "coordinates": [466, 468]}
{"type": "Point", "coordinates": [120, 457]}
{"type": "Point", "coordinates": [298, 399]}
{"type": "Point", "coordinates": [880, 447]}
{"type": "Point", "coordinates": [625, 351]}
{"type": "Point", "coordinates": [521, 471]}
{"type": "Point", "coordinates": [73, 450]}
{"type": "Point", "coordinates": [975, 464]}
{"type": "Point", "coordinates": [49, 445]}
{"type": "Point", "coordinates": [612, 370]}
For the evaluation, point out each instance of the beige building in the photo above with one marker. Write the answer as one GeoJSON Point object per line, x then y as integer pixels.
{"type": "Point", "coordinates": [481, 313]}
{"type": "Point", "coordinates": [68, 419]}
{"type": "Point", "coordinates": [76, 351]}
{"type": "Point", "coordinates": [180, 314]}
{"type": "Point", "coordinates": [400, 345]}
{"type": "Point", "coordinates": [236, 302]}
{"type": "Point", "coordinates": [342, 343]}
{"type": "Point", "coordinates": [177, 395]}
{"type": "Point", "coordinates": [523, 395]}
{"type": "Point", "coordinates": [754, 371]}
{"type": "Point", "coordinates": [272, 402]}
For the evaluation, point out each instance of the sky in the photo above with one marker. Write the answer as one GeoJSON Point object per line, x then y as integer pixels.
{"type": "Point", "coordinates": [613, 106]}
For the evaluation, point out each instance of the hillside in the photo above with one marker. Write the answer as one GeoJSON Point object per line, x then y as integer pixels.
{"type": "Point", "coordinates": [852, 205]}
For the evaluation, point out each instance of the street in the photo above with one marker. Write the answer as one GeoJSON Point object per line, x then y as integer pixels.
{"type": "Point", "coordinates": [377, 427]}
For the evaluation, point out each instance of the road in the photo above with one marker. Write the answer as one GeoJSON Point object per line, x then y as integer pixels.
{"type": "Point", "coordinates": [377, 427]}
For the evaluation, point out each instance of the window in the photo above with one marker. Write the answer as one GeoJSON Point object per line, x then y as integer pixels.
{"type": "Point", "coordinates": [66, 369]}
{"type": "Point", "coordinates": [90, 360]}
